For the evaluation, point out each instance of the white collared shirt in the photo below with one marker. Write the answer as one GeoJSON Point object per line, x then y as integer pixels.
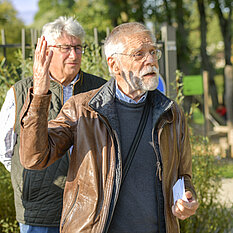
{"type": "Point", "coordinates": [121, 96]}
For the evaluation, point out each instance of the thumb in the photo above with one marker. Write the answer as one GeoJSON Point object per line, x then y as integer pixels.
{"type": "Point", "coordinates": [189, 195]}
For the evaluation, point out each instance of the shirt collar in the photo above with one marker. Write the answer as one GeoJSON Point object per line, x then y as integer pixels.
{"type": "Point", "coordinates": [71, 83]}
{"type": "Point", "coordinates": [121, 96]}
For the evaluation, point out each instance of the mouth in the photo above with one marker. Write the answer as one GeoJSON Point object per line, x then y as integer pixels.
{"type": "Point", "coordinates": [149, 74]}
{"type": "Point", "coordinates": [72, 63]}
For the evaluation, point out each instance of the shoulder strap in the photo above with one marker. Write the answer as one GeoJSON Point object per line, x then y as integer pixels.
{"type": "Point", "coordinates": [136, 140]}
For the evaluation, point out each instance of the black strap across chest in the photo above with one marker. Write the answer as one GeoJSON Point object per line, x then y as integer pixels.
{"type": "Point", "coordinates": [136, 140]}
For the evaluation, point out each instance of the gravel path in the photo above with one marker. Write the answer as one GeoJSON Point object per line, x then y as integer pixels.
{"type": "Point", "coordinates": [226, 193]}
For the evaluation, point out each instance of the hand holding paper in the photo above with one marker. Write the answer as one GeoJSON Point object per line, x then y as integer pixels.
{"type": "Point", "coordinates": [184, 203]}
{"type": "Point", "coordinates": [179, 191]}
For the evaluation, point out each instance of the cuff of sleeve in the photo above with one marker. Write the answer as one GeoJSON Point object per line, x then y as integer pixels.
{"type": "Point", "coordinates": [39, 101]}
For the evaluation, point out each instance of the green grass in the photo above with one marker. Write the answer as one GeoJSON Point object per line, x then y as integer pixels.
{"type": "Point", "coordinates": [226, 168]}
{"type": "Point", "coordinates": [198, 117]}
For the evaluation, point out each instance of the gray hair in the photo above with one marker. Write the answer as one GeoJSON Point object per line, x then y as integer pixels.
{"type": "Point", "coordinates": [116, 41]}
{"type": "Point", "coordinates": [53, 30]}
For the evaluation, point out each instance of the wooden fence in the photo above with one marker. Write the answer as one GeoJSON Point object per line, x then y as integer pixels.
{"type": "Point", "coordinates": [23, 46]}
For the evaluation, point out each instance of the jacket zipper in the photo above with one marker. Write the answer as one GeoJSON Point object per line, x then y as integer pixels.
{"type": "Point", "coordinates": [116, 195]}
{"type": "Point", "coordinates": [105, 226]}
{"type": "Point", "coordinates": [159, 133]}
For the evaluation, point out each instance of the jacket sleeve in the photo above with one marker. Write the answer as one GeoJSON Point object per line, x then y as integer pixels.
{"type": "Point", "coordinates": [185, 167]}
{"type": "Point", "coordinates": [40, 146]}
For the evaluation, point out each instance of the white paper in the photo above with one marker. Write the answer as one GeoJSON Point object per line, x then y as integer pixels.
{"type": "Point", "coordinates": [179, 191]}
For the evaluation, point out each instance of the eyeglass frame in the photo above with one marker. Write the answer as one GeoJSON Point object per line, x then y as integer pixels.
{"type": "Point", "coordinates": [70, 46]}
{"type": "Point", "coordinates": [143, 57]}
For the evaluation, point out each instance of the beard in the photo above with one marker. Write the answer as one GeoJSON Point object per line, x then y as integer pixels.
{"type": "Point", "coordinates": [147, 80]}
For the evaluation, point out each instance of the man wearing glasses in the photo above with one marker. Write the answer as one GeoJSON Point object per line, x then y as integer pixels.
{"type": "Point", "coordinates": [39, 194]}
{"type": "Point", "coordinates": [130, 142]}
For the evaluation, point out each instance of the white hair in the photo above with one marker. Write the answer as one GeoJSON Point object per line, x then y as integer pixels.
{"type": "Point", "coordinates": [116, 43]}
{"type": "Point", "coordinates": [53, 30]}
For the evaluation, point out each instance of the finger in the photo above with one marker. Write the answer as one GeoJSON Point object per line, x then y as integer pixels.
{"type": "Point", "coordinates": [191, 205]}
{"type": "Point", "coordinates": [48, 60]}
{"type": "Point", "coordinates": [39, 44]}
{"type": "Point", "coordinates": [187, 208]}
{"type": "Point", "coordinates": [43, 50]}
{"type": "Point", "coordinates": [176, 212]}
{"type": "Point", "coordinates": [184, 209]}
{"type": "Point", "coordinates": [189, 195]}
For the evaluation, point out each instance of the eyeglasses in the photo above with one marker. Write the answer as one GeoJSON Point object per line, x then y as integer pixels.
{"type": "Point", "coordinates": [142, 55]}
{"type": "Point", "coordinates": [67, 48]}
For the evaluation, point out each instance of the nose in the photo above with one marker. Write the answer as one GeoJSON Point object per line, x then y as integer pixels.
{"type": "Point", "coordinates": [72, 52]}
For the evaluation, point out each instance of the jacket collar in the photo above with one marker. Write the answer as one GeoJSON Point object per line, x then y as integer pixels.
{"type": "Point", "coordinates": [103, 103]}
{"type": "Point", "coordinates": [161, 107]}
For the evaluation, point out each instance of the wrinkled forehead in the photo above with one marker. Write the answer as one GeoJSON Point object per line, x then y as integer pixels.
{"type": "Point", "coordinates": [138, 40]}
{"type": "Point", "coordinates": [68, 39]}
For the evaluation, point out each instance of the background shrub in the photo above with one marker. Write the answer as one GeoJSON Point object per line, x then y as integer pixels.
{"type": "Point", "coordinates": [7, 208]}
{"type": "Point", "coordinates": [212, 216]}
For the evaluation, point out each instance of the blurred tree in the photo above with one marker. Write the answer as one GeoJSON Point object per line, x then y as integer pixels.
{"type": "Point", "coordinates": [223, 10]}
{"type": "Point", "coordinates": [92, 14]}
{"type": "Point", "coordinates": [103, 14]}
{"type": "Point", "coordinates": [121, 11]}
{"type": "Point", "coordinates": [182, 14]}
{"type": "Point", "coordinates": [206, 63]}
{"type": "Point", "coordinates": [11, 25]}
{"type": "Point", "coordinates": [177, 14]}
{"type": "Point", "coordinates": [50, 10]}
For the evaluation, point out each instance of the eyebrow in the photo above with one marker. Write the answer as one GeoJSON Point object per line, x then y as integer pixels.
{"type": "Point", "coordinates": [141, 47]}
{"type": "Point", "coordinates": [73, 45]}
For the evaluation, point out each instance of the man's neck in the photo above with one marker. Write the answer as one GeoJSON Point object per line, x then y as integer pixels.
{"type": "Point", "coordinates": [132, 94]}
{"type": "Point", "coordinates": [122, 96]}
{"type": "Point", "coordinates": [65, 80]}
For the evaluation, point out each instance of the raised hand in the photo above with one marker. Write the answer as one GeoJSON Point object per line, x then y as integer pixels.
{"type": "Point", "coordinates": [41, 64]}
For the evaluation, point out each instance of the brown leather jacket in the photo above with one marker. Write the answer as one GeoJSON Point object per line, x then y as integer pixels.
{"type": "Point", "coordinates": [89, 122]}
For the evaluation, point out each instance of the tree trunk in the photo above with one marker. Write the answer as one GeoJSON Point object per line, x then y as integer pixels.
{"type": "Point", "coordinates": [183, 51]}
{"type": "Point", "coordinates": [225, 25]}
{"type": "Point", "coordinates": [168, 13]}
{"type": "Point", "coordinates": [206, 64]}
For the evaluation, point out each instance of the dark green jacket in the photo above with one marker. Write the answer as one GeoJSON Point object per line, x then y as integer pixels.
{"type": "Point", "coordinates": [39, 194]}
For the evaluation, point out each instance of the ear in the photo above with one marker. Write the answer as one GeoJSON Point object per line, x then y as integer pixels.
{"type": "Point", "coordinates": [113, 65]}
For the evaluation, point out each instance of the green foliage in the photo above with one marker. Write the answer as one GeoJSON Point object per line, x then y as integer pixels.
{"type": "Point", "coordinates": [25, 66]}
{"type": "Point", "coordinates": [7, 211]}
{"type": "Point", "coordinates": [94, 62]}
{"type": "Point", "coordinates": [12, 27]}
{"type": "Point", "coordinates": [8, 76]}
{"type": "Point", "coordinates": [93, 14]}
{"type": "Point", "coordinates": [226, 168]}
{"type": "Point", "coordinates": [11, 73]}
{"type": "Point", "coordinates": [51, 9]}
{"type": "Point", "coordinates": [212, 216]}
